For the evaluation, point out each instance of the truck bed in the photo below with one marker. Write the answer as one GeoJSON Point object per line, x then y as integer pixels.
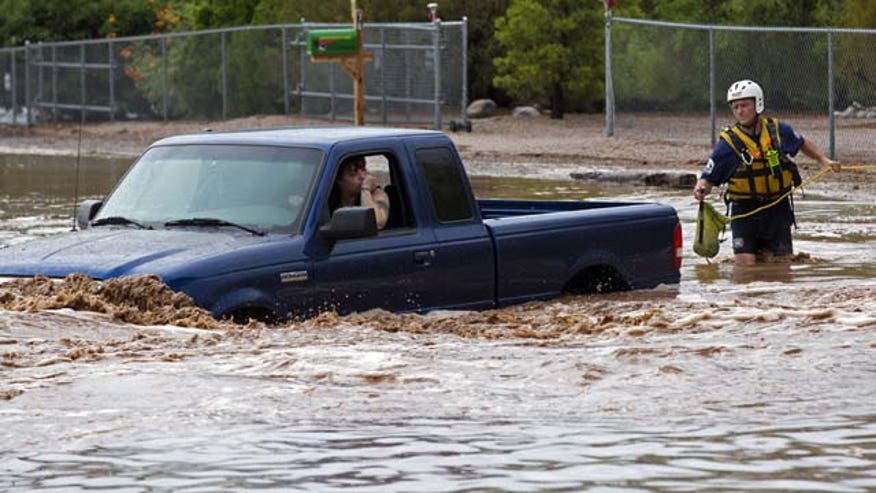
{"type": "Point", "coordinates": [612, 245]}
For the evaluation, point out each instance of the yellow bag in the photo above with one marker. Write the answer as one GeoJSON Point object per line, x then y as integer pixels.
{"type": "Point", "coordinates": [709, 225]}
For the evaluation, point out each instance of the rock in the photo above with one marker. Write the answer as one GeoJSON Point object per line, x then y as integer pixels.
{"type": "Point", "coordinates": [524, 112]}
{"type": "Point", "coordinates": [668, 179]}
{"type": "Point", "coordinates": [857, 110]}
{"type": "Point", "coordinates": [481, 108]}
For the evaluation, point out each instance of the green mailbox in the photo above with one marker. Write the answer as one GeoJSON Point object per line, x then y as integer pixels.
{"type": "Point", "coordinates": [332, 42]}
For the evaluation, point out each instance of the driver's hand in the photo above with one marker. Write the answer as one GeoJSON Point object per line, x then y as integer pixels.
{"type": "Point", "coordinates": [370, 183]}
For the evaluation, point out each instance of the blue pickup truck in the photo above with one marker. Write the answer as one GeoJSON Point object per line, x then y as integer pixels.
{"type": "Point", "coordinates": [240, 222]}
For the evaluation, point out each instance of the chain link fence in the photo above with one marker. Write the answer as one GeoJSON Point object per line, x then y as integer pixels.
{"type": "Point", "coordinates": [417, 76]}
{"type": "Point", "coordinates": [411, 63]}
{"type": "Point", "coordinates": [823, 81]}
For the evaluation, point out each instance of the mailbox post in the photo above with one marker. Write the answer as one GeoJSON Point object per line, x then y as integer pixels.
{"type": "Point", "coordinates": [344, 46]}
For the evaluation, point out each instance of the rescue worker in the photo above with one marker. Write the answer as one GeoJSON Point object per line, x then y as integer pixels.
{"type": "Point", "coordinates": [754, 158]}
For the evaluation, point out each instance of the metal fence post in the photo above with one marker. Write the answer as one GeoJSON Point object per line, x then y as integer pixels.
{"type": "Point", "coordinates": [82, 82]}
{"type": "Point", "coordinates": [463, 105]}
{"type": "Point", "coordinates": [409, 77]}
{"type": "Point", "coordinates": [713, 110]}
{"type": "Point", "coordinates": [54, 83]}
{"type": "Point", "coordinates": [332, 90]}
{"type": "Point", "coordinates": [14, 89]}
{"type": "Point", "coordinates": [383, 113]}
{"type": "Point", "coordinates": [40, 59]}
{"type": "Point", "coordinates": [112, 82]}
{"type": "Point", "coordinates": [224, 78]}
{"type": "Point", "coordinates": [830, 96]}
{"type": "Point", "coordinates": [302, 69]}
{"type": "Point", "coordinates": [285, 52]}
{"type": "Point", "coordinates": [609, 88]}
{"type": "Point", "coordinates": [27, 82]}
{"type": "Point", "coordinates": [436, 46]}
{"type": "Point", "coordinates": [164, 77]}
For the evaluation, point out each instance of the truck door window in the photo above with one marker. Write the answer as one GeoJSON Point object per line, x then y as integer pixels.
{"type": "Point", "coordinates": [450, 197]}
{"type": "Point", "coordinates": [384, 167]}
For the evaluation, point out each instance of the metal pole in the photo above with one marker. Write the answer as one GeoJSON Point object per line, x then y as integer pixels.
{"type": "Point", "coordinates": [41, 58]}
{"type": "Point", "coordinates": [383, 112]}
{"type": "Point", "coordinates": [112, 83]}
{"type": "Point", "coordinates": [464, 102]}
{"type": "Point", "coordinates": [302, 68]}
{"type": "Point", "coordinates": [359, 72]}
{"type": "Point", "coordinates": [224, 78]}
{"type": "Point", "coordinates": [285, 70]}
{"type": "Point", "coordinates": [27, 82]}
{"type": "Point", "coordinates": [609, 88]}
{"type": "Point", "coordinates": [332, 72]}
{"type": "Point", "coordinates": [82, 82]}
{"type": "Point", "coordinates": [14, 89]}
{"type": "Point", "coordinates": [436, 47]}
{"type": "Point", "coordinates": [830, 96]}
{"type": "Point", "coordinates": [409, 82]}
{"type": "Point", "coordinates": [713, 108]}
{"type": "Point", "coordinates": [164, 77]}
{"type": "Point", "coordinates": [54, 83]}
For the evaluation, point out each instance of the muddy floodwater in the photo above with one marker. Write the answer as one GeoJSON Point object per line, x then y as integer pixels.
{"type": "Point", "coordinates": [737, 379]}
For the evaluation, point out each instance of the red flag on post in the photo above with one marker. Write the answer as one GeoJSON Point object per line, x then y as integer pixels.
{"type": "Point", "coordinates": [609, 4]}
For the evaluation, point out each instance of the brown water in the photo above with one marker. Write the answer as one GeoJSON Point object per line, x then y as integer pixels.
{"type": "Point", "coordinates": [737, 379]}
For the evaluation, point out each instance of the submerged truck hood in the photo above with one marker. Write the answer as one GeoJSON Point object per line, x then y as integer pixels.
{"type": "Point", "coordinates": [111, 252]}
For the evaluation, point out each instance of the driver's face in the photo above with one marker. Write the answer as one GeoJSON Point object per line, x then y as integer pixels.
{"type": "Point", "coordinates": [352, 176]}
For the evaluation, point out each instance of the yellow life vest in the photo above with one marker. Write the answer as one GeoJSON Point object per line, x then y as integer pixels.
{"type": "Point", "coordinates": [755, 179]}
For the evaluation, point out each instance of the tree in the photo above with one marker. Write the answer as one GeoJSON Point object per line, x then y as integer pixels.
{"type": "Point", "coordinates": [482, 44]}
{"type": "Point", "coordinates": [62, 20]}
{"type": "Point", "coordinates": [553, 50]}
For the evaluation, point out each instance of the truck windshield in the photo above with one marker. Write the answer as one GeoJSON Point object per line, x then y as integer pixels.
{"type": "Point", "coordinates": [262, 187]}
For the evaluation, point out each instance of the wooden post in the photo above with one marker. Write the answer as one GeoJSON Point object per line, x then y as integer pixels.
{"type": "Point", "coordinates": [353, 65]}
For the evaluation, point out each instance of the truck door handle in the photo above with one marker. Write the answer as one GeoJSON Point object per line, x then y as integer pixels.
{"type": "Point", "coordinates": [424, 257]}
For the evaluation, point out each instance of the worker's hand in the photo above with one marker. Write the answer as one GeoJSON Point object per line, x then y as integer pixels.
{"type": "Point", "coordinates": [701, 189]}
{"type": "Point", "coordinates": [834, 165]}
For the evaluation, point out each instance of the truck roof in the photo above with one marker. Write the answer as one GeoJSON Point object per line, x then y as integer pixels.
{"type": "Point", "coordinates": [306, 136]}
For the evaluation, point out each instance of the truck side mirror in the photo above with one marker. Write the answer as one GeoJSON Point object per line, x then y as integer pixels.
{"type": "Point", "coordinates": [86, 212]}
{"type": "Point", "coordinates": [350, 222]}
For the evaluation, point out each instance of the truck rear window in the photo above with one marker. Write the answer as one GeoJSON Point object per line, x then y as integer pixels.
{"type": "Point", "coordinates": [450, 197]}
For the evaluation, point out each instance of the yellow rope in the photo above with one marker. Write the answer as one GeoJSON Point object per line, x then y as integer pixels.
{"type": "Point", "coordinates": [789, 192]}
{"type": "Point", "coordinates": [709, 221]}
{"type": "Point", "coordinates": [798, 187]}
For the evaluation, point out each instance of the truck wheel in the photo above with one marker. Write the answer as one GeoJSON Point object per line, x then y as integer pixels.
{"type": "Point", "coordinates": [242, 316]}
{"type": "Point", "coordinates": [468, 126]}
{"type": "Point", "coordinates": [453, 125]}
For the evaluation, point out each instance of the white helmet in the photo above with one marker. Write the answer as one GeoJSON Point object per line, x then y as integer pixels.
{"type": "Point", "coordinates": [744, 89]}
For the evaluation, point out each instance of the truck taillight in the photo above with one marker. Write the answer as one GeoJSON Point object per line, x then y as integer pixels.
{"type": "Point", "coordinates": [676, 246]}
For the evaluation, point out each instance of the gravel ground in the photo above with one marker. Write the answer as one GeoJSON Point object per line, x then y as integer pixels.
{"type": "Point", "coordinates": [503, 145]}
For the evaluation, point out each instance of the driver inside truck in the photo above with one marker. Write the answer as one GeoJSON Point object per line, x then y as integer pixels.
{"type": "Point", "coordinates": [354, 186]}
